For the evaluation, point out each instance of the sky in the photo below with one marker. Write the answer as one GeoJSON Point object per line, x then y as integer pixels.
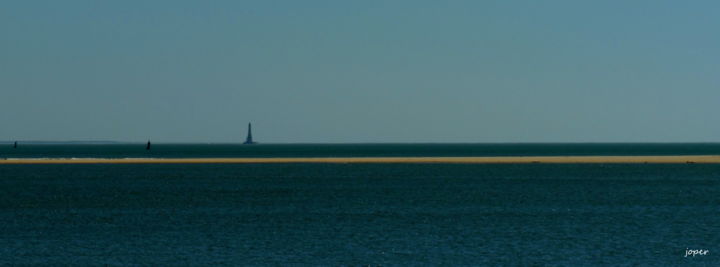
{"type": "Point", "coordinates": [360, 71]}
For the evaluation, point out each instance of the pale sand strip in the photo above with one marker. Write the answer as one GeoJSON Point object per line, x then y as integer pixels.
{"type": "Point", "coordinates": [469, 160]}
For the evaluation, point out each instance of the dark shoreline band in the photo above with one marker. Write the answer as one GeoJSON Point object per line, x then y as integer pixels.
{"type": "Point", "coordinates": [715, 159]}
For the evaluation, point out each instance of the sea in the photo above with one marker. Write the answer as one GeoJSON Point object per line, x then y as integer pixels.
{"type": "Point", "coordinates": [322, 214]}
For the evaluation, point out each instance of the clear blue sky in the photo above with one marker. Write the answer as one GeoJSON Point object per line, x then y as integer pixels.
{"type": "Point", "coordinates": [360, 71]}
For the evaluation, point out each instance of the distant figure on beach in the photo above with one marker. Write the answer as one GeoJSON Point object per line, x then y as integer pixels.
{"type": "Point", "coordinates": [148, 145]}
{"type": "Point", "coordinates": [15, 144]}
{"type": "Point", "coordinates": [249, 140]}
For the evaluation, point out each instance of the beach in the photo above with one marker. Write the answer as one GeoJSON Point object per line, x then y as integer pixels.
{"type": "Point", "coordinates": [678, 159]}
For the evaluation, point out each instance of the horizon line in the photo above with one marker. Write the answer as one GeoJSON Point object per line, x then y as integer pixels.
{"type": "Point", "coordinates": [347, 143]}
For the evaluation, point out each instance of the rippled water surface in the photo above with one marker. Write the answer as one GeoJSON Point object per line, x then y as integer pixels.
{"type": "Point", "coordinates": [161, 150]}
{"type": "Point", "coordinates": [359, 214]}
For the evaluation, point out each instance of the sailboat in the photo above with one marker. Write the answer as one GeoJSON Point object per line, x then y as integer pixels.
{"type": "Point", "coordinates": [248, 139]}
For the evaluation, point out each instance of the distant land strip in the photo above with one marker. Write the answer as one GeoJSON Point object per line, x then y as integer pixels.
{"type": "Point", "coordinates": [467, 160]}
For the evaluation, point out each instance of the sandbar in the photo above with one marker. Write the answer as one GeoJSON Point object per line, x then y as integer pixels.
{"type": "Point", "coordinates": [681, 159]}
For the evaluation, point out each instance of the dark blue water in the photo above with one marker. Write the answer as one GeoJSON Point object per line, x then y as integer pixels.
{"type": "Point", "coordinates": [359, 214]}
{"type": "Point", "coordinates": [348, 150]}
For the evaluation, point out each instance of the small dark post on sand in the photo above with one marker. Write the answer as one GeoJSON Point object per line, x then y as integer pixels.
{"type": "Point", "coordinates": [148, 146]}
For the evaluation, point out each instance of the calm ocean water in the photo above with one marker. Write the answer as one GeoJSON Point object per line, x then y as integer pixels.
{"type": "Point", "coordinates": [359, 214]}
{"type": "Point", "coordinates": [347, 150]}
